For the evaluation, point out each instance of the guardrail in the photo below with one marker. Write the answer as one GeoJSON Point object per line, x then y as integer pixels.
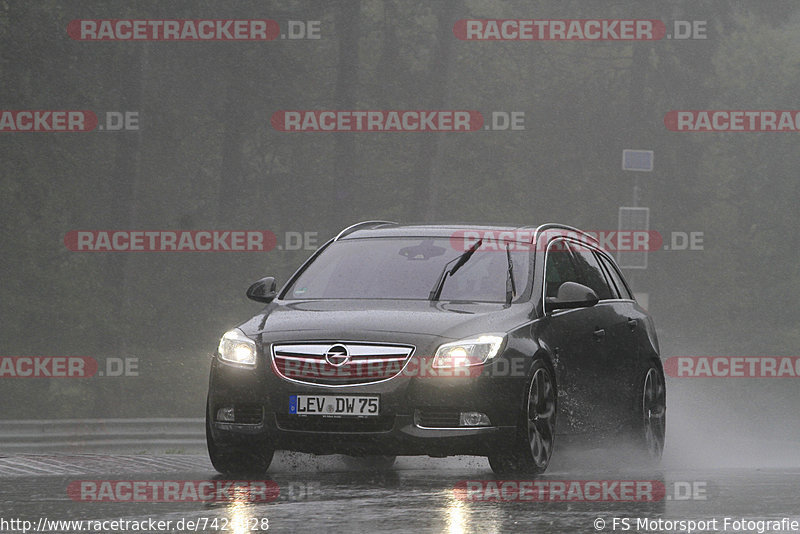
{"type": "Point", "coordinates": [92, 435]}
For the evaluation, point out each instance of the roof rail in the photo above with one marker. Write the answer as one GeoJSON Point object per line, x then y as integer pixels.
{"type": "Point", "coordinates": [360, 226]}
{"type": "Point", "coordinates": [547, 226]}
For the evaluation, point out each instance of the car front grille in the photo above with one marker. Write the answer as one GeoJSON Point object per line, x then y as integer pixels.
{"type": "Point", "coordinates": [437, 418]}
{"type": "Point", "coordinates": [339, 364]}
{"type": "Point", "coordinates": [383, 423]}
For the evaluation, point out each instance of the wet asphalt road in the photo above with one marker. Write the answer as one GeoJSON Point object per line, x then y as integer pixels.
{"type": "Point", "coordinates": [417, 495]}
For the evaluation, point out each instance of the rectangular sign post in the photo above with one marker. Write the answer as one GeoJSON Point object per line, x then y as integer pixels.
{"type": "Point", "coordinates": [637, 160]}
{"type": "Point", "coordinates": [640, 161]}
{"type": "Point", "coordinates": [633, 219]}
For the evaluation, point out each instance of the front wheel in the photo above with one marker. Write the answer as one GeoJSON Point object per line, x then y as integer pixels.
{"type": "Point", "coordinates": [241, 459]}
{"type": "Point", "coordinates": [536, 432]}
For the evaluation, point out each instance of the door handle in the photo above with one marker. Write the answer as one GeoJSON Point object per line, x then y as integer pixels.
{"type": "Point", "coordinates": [599, 334]}
{"type": "Point", "coordinates": [632, 323]}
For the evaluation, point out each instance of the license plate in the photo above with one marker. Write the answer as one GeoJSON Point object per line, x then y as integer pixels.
{"type": "Point", "coordinates": [334, 405]}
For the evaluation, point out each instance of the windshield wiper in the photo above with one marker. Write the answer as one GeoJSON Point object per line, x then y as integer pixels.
{"type": "Point", "coordinates": [511, 287]}
{"type": "Point", "coordinates": [460, 260]}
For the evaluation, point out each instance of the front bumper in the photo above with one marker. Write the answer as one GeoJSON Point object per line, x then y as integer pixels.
{"type": "Point", "coordinates": [398, 430]}
{"type": "Point", "coordinates": [403, 438]}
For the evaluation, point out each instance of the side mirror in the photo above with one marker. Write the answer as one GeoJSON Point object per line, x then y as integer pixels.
{"type": "Point", "coordinates": [572, 295]}
{"type": "Point", "coordinates": [262, 291]}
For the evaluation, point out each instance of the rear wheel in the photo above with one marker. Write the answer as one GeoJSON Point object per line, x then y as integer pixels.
{"type": "Point", "coordinates": [653, 415]}
{"type": "Point", "coordinates": [241, 459]}
{"type": "Point", "coordinates": [536, 433]}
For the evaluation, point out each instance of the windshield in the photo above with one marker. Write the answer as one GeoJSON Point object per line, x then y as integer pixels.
{"type": "Point", "coordinates": [406, 268]}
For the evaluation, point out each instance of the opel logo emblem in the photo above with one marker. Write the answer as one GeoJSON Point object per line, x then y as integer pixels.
{"type": "Point", "coordinates": [337, 355]}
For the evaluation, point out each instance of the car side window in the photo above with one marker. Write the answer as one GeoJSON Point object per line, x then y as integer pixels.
{"type": "Point", "coordinates": [590, 272]}
{"type": "Point", "coordinates": [559, 267]}
{"type": "Point", "coordinates": [612, 284]}
{"type": "Point", "coordinates": [616, 278]}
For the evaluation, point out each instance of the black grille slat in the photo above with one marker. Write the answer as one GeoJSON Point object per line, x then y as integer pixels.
{"type": "Point", "coordinates": [437, 418]}
{"type": "Point", "coordinates": [335, 424]}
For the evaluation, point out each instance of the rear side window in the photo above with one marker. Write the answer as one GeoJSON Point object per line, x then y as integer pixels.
{"type": "Point", "coordinates": [590, 272]}
{"type": "Point", "coordinates": [616, 278]}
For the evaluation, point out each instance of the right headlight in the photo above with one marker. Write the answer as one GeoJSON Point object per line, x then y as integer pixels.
{"type": "Point", "coordinates": [237, 349]}
{"type": "Point", "coordinates": [473, 351]}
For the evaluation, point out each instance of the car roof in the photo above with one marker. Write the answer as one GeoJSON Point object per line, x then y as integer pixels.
{"type": "Point", "coordinates": [524, 233]}
{"type": "Point", "coordinates": [431, 230]}
{"type": "Point", "coordinates": [520, 233]}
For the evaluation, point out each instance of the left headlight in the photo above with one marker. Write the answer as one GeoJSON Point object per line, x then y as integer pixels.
{"type": "Point", "coordinates": [237, 349]}
{"type": "Point", "coordinates": [473, 351]}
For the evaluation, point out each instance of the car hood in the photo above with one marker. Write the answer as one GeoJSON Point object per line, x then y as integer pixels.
{"type": "Point", "coordinates": [350, 319]}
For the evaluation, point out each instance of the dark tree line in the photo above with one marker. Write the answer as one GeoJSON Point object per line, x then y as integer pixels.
{"type": "Point", "coordinates": [205, 157]}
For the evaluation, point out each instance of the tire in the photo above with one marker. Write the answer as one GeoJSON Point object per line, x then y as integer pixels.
{"type": "Point", "coordinates": [247, 459]}
{"type": "Point", "coordinates": [531, 452]}
{"type": "Point", "coordinates": [652, 414]}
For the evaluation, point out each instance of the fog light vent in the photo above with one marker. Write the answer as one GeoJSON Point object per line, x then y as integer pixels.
{"type": "Point", "coordinates": [473, 419]}
{"type": "Point", "coordinates": [225, 414]}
